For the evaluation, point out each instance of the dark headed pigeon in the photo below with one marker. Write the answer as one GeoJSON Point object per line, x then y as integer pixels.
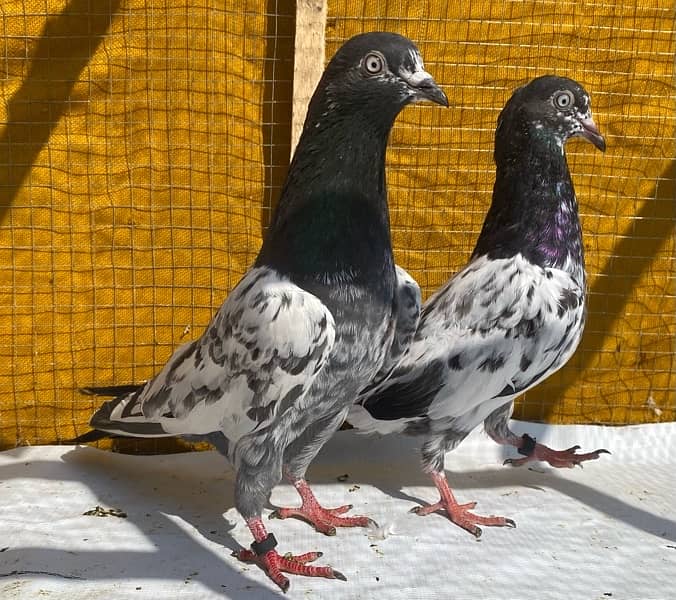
{"type": "Point", "coordinates": [309, 325]}
{"type": "Point", "coordinates": [513, 316]}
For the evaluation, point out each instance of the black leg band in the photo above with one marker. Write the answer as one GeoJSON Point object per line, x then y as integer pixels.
{"type": "Point", "coordinates": [527, 446]}
{"type": "Point", "coordinates": [261, 548]}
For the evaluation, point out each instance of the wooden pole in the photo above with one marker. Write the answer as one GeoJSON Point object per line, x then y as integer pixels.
{"type": "Point", "coordinates": [308, 59]}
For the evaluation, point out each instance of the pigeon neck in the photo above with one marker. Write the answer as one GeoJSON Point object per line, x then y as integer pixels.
{"type": "Point", "coordinates": [331, 223]}
{"type": "Point", "coordinates": [339, 152]}
{"type": "Point", "coordinates": [534, 211]}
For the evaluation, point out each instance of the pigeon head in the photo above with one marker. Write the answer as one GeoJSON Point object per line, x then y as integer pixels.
{"type": "Point", "coordinates": [331, 222]}
{"type": "Point", "coordinates": [556, 108]}
{"type": "Point", "coordinates": [373, 75]}
{"type": "Point", "coordinates": [534, 211]}
{"type": "Point", "coordinates": [366, 84]}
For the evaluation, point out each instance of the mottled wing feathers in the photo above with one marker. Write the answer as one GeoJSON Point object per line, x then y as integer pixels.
{"type": "Point", "coordinates": [407, 317]}
{"type": "Point", "coordinates": [408, 302]}
{"type": "Point", "coordinates": [258, 356]}
{"type": "Point", "coordinates": [494, 330]}
{"type": "Point", "coordinates": [515, 322]}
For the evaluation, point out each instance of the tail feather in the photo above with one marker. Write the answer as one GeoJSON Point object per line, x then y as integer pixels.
{"type": "Point", "coordinates": [103, 423]}
{"type": "Point", "coordinates": [107, 418]}
{"type": "Point", "coordinates": [123, 416]}
{"type": "Point", "coordinates": [111, 390]}
{"type": "Point", "coordinates": [93, 435]}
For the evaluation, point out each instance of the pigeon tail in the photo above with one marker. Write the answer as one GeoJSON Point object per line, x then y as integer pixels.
{"type": "Point", "coordinates": [113, 391]}
{"type": "Point", "coordinates": [112, 418]}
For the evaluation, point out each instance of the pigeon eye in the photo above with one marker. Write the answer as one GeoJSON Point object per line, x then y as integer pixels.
{"type": "Point", "coordinates": [563, 99]}
{"type": "Point", "coordinates": [374, 63]}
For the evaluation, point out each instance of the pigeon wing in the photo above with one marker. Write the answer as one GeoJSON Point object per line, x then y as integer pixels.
{"type": "Point", "coordinates": [257, 357]}
{"type": "Point", "coordinates": [509, 324]}
{"type": "Point", "coordinates": [408, 302]}
{"type": "Point", "coordinates": [494, 330]}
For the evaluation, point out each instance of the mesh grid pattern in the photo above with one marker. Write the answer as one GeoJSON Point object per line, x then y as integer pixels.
{"type": "Point", "coordinates": [441, 174]}
{"type": "Point", "coordinates": [133, 156]}
{"type": "Point", "coordinates": [142, 144]}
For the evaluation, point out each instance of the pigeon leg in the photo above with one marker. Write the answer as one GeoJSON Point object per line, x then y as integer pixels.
{"type": "Point", "coordinates": [531, 451]}
{"type": "Point", "coordinates": [497, 427]}
{"type": "Point", "coordinates": [459, 513]}
{"type": "Point", "coordinates": [324, 520]}
{"type": "Point", "coordinates": [263, 552]}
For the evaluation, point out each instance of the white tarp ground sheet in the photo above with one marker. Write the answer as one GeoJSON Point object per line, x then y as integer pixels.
{"type": "Point", "coordinates": [607, 531]}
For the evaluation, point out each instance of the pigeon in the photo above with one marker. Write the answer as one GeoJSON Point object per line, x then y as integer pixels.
{"type": "Point", "coordinates": [405, 323]}
{"type": "Point", "coordinates": [311, 323]}
{"type": "Point", "coordinates": [512, 316]}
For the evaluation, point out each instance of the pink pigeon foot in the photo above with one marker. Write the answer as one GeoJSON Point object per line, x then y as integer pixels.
{"type": "Point", "coordinates": [324, 520]}
{"type": "Point", "coordinates": [459, 513]}
{"type": "Point", "coordinates": [556, 458]}
{"type": "Point", "coordinates": [264, 554]}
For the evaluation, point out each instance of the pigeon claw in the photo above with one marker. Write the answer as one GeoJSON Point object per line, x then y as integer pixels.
{"type": "Point", "coordinates": [339, 575]}
{"type": "Point", "coordinates": [559, 459]}
{"type": "Point", "coordinates": [275, 565]}
{"type": "Point", "coordinates": [324, 520]}
{"type": "Point", "coordinates": [460, 515]}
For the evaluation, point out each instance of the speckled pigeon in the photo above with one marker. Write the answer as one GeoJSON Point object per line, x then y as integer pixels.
{"type": "Point", "coordinates": [310, 324]}
{"type": "Point", "coordinates": [513, 315]}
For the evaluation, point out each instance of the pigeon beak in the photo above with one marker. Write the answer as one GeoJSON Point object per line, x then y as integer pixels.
{"type": "Point", "coordinates": [591, 133]}
{"type": "Point", "coordinates": [424, 87]}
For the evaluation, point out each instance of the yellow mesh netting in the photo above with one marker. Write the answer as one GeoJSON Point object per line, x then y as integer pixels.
{"type": "Point", "coordinates": [132, 181]}
{"type": "Point", "coordinates": [142, 144]}
{"type": "Point", "coordinates": [441, 173]}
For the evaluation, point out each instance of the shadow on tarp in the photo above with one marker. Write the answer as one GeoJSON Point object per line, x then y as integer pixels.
{"type": "Point", "coordinates": [148, 493]}
{"type": "Point", "coordinates": [394, 462]}
{"type": "Point", "coordinates": [198, 487]}
{"type": "Point", "coordinates": [66, 46]}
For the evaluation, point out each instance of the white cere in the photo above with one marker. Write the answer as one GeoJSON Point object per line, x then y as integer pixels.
{"type": "Point", "coordinates": [417, 61]}
{"type": "Point", "coordinates": [418, 74]}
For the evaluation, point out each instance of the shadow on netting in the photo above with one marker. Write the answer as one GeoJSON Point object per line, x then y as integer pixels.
{"type": "Point", "coordinates": [634, 251]}
{"type": "Point", "coordinates": [277, 102]}
{"type": "Point", "coordinates": [65, 48]}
